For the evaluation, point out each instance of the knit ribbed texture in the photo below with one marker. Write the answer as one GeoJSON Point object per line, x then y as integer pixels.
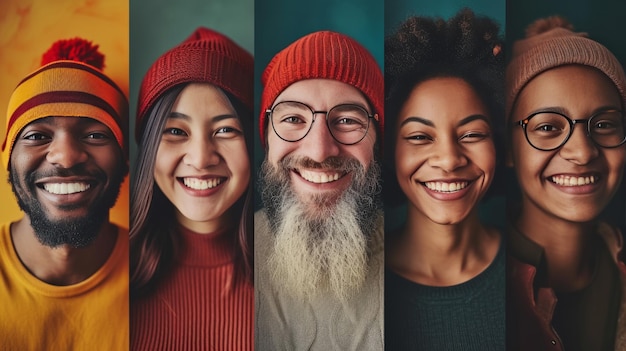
{"type": "Point", "coordinates": [67, 89]}
{"type": "Point", "coordinates": [193, 308]}
{"type": "Point", "coordinates": [326, 55]}
{"type": "Point", "coordinates": [205, 57]}
{"type": "Point", "coordinates": [558, 47]}
{"type": "Point", "coordinates": [465, 317]}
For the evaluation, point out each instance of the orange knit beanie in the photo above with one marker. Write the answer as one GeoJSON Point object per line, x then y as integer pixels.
{"type": "Point", "coordinates": [69, 84]}
{"type": "Point", "coordinates": [327, 55]}
{"type": "Point", "coordinates": [205, 56]}
{"type": "Point", "coordinates": [551, 42]}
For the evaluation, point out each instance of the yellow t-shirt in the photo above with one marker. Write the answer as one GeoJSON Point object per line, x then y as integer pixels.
{"type": "Point", "coordinates": [91, 315]}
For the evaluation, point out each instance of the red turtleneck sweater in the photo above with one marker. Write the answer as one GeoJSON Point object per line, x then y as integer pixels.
{"type": "Point", "coordinates": [193, 307]}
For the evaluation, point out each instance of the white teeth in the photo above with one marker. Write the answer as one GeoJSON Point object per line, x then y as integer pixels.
{"type": "Point", "coordinates": [573, 181]}
{"type": "Point", "coordinates": [319, 177]}
{"type": "Point", "coordinates": [443, 187]}
{"type": "Point", "coordinates": [65, 188]}
{"type": "Point", "coordinates": [202, 184]}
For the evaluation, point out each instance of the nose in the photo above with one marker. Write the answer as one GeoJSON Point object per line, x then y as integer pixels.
{"type": "Point", "coordinates": [66, 151]}
{"type": "Point", "coordinates": [579, 148]}
{"type": "Point", "coordinates": [447, 155]}
{"type": "Point", "coordinates": [201, 153]}
{"type": "Point", "coordinates": [319, 144]}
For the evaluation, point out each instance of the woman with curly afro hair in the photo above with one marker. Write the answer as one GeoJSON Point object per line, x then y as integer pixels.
{"type": "Point", "coordinates": [445, 283]}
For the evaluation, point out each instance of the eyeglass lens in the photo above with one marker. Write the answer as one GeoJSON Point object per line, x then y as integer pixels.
{"type": "Point", "coordinates": [548, 130]}
{"type": "Point", "coordinates": [347, 123]}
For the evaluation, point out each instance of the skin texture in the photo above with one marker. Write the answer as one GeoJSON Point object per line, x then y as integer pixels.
{"type": "Point", "coordinates": [560, 218]}
{"type": "Point", "coordinates": [319, 145]}
{"type": "Point", "coordinates": [443, 243]}
{"type": "Point", "coordinates": [57, 150]}
{"type": "Point", "coordinates": [203, 144]}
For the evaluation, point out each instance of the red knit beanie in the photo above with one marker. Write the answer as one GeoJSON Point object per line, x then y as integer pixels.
{"type": "Point", "coordinates": [69, 84]}
{"type": "Point", "coordinates": [327, 55]}
{"type": "Point", "coordinates": [205, 57]}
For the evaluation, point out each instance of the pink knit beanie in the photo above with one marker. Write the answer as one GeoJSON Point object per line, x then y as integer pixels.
{"type": "Point", "coordinates": [550, 43]}
{"type": "Point", "coordinates": [327, 55]}
{"type": "Point", "coordinates": [206, 56]}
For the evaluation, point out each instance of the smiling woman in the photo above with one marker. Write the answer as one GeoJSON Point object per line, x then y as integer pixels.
{"type": "Point", "coordinates": [444, 282]}
{"type": "Point", "coordinates": [191, 236]}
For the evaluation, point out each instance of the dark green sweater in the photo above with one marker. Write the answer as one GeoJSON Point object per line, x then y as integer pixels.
{"type": "Point", "coordinates": [469, 316]}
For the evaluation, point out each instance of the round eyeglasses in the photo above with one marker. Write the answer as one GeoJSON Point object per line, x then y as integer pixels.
{"type": "Point", "coordinates": [347, 123]}
{"type": "Point", "coordinates": [549, 130]}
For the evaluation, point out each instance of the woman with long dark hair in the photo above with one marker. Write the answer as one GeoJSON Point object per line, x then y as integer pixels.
{"type": "Point", "coordinates": [191, 231]}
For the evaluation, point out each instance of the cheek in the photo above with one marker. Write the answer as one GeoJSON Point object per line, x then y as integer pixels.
{"type": "Point", "coordinates": [363, 151]}
{"type": "Point", "coordinates": [165, 163]}
{"type": "Point", "coordinates": [238, 161]}
{"type": "Point", "coordinates": [407, 161]}
{"type": "Point", "coordinates": [277, 149]}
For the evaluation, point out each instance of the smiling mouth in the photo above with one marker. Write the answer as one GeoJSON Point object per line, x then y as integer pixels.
{"type": "Point", "coordinates": [445, 187]}
{"type": "Point", "coordinates": [66, 188]}
{"type": "Point", "coordinates": [320, 177]}
{"type": "Point", "coordinates": [202, 184]}
{"type": "Point", "coordinates": [574, 181]}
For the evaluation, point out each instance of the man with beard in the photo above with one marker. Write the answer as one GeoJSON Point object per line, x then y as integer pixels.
{"type": "Point", "coordinates": [318, 240]}
{"type": "Point", "coordinates": [64, 266]}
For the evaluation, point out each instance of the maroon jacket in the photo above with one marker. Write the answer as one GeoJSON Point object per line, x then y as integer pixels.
{"type": "Point", "coordinates": [531, 329]}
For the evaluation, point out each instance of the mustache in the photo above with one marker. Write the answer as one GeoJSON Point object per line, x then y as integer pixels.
{"type": "Point", "coordinates": [338, 163]}
{"type": "Point", "coordinates": [75, 171]}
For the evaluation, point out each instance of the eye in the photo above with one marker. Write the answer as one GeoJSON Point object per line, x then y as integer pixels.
{"type": "Point", "coordinates": [174, 131]}
{"type": "Point", "coordinates": [473, 137]}
{"type": "Point", "coordinates": [293, 119]}
{"type": "Point", "coordinates": [227, 132]}
{"type": "Point", "coordinates": [546, 128]}
{"type": "Point", "coordinates": [418, 139]}
{"type": "Point", "coordinates": [35, 136]}
{"type": "Point", "coordinates": [97, 135]}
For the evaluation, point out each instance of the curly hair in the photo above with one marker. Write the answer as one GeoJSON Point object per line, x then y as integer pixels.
{"type": "Point", "coordinates": [466, 46]}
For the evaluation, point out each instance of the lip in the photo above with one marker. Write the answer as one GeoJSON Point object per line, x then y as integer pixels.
{"type": "Point", "coordinates": [576, 183]}
{"type": "Point", "coordinates": [200, 186]}
{"type": "Point", "coordinates": [444, 195]}
{"type": "Point", "coordinates": [321, 179]}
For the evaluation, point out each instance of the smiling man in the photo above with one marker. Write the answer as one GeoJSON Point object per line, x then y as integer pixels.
{"type": "Point", "coordinates": [318, 256]}
{"type": "Point", "coordinates": [64, 266]}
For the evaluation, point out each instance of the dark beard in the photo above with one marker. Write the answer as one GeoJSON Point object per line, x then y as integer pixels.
{"type": "Point", "coordinates": [78, 232]}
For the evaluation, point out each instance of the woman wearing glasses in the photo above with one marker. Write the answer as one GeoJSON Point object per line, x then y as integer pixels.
{"type": "Point", "coordinates": [191, 233]}
{"type": "Point", "coordinates": [444, 284]}
{"type": "Point", "coordinates": [565, 102]}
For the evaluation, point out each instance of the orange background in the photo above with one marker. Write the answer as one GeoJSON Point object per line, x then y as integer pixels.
{"type": "Point", "coordinates": [28, 28]}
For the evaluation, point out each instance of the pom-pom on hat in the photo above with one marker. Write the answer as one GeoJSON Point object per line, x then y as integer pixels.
{"type": "Point", "coordinates": [206, 56]}
{"type": "Point", "coordinates": [69, 84]}
{"type": "Point", "coordinates": [549, 43]}
{"type": "Point", "coordinates": [328, 55]}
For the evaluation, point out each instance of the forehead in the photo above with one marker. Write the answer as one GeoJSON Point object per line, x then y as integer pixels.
{"type": "Point", "coordinates": [322, 93]}
{"type": "Point", "coordinates": [442, 98]}
{"type": "Point", "coordinates": [63, 122]}
{"type": "Point", "coordinates": [572, 87]}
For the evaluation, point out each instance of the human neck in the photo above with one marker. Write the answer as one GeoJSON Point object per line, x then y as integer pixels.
{"type": "Point", "coordinates": [435, 254]}
{"type": "Point", "coordinates": [63, 265]}
{"type": "Point", "coordinates": [568, 247]}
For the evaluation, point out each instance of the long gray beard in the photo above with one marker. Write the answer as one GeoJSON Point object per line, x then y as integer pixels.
{"type": "Point", "coordinates": [321, 245]}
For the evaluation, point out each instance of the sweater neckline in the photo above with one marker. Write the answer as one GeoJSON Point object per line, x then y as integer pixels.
{"type": "Point", "coordinates": [205, 250]}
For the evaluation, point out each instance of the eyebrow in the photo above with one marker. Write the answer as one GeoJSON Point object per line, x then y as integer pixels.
{"type": "Point", "coordinates": [565, 112]}
{"type": "Point", "coordinates": [218, 118]}
{"type": "Point", "coordinates": [430, 123]}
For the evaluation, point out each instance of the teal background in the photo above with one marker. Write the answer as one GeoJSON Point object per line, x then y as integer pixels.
{"type": "Point", "coordinates": [492, 210]}
{"type": "Point", "coordinates": [278, 23]}
{"type": "Point", "coordinates": [158, 25]}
